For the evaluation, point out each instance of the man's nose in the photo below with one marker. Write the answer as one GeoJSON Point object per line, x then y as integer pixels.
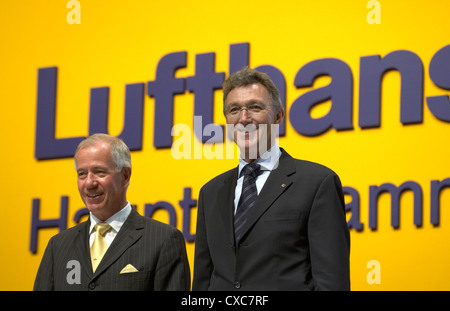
{"type": "Point", "coordinates": [244, 116]}
{"type": "Point", "coordinates": [91, 181]}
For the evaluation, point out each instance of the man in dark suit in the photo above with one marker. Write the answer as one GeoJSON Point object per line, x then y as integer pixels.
{"type": "Point", "coordinates": [132, 252]}
{"type": "Point", "coordinates": [282, 225]}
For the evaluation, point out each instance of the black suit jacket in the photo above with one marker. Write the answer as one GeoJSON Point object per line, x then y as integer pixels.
{"type": "Point", "coordinates": [156, 250]}
{"type": "Point", "coordinates": [296, 236]}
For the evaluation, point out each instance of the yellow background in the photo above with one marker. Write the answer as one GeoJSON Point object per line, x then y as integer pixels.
{"type": "Point", "coordinates": [121, 42]}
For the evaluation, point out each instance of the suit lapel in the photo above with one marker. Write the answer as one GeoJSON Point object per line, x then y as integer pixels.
{"type": "Point", "coordinates": [225, 197]}
{"type": "Point", "coordinates": [130, 232]}
{"type": "Point", "coordinates": [278, 181]}
{"type": "Point", "coordinates": [82, 247]}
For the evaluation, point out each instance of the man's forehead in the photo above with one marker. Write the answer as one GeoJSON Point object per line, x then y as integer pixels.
{"type": "Point", "coordinates": [252, 92]}
{"type": "Point", "coordinates": [92, 166]}
{"type": "Point", "coordinates": [250, 87]}
{"type": "Point", "coordinates": [94, 155]}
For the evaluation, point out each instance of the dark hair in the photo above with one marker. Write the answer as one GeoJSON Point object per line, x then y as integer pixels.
{"type": "Point", "coordinates": [247, 76]}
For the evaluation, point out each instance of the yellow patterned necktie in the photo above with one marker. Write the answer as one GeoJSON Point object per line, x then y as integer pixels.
{"type": "Point", "coordinates": [99, 246]}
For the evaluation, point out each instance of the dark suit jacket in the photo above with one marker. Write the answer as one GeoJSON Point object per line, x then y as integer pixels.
{"type": "Point", "coordinates": [296, 236]}
{"type": "Point", "coordinates": [157, 250]}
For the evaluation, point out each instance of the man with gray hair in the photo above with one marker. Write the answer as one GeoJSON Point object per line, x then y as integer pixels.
{"type": "Point", "coordinates": [273, 222]}
{"type": "Point", "coordinates": [116, 248]}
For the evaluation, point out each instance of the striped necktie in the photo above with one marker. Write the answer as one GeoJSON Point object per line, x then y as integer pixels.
{"type": "Point", "coordinates": [248, 197]}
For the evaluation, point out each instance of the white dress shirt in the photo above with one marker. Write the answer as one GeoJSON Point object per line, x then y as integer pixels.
{"type": "Point", "coordinates": [268, 162]}
{"type": "Point", "coordinates": [115, 221]}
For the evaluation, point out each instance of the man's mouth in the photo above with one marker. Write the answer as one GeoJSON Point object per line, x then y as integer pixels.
{"type": "Point", "coordinates": [93, 195]}
{"type": "Point", "coordinates": [246, 129]}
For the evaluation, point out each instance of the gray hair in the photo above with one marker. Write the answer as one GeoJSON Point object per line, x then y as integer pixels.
{"type": "Point", "coordinates": [119, 150]}
{"type": "Point", "coordinates": [247, 76]}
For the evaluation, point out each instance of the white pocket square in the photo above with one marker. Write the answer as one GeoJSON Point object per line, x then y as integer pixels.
{"type": "Point", "coordinates": [129, 269]}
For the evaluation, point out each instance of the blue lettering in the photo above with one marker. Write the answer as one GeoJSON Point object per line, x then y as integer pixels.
{"type": "Point", "coordinates": [440, 75]}
{"type": "Point", "coordinates": [133, 117]}
{"type": "Point", "coordinates": [150, 209]}
{"type": "Point", "coordinates": [339, 91]}
{"type": "Point", "coordinates": [203, 84]}
{"type": "Point", "coordinates": [239, 56]}
{"type": "Point", "coordinates": [79, 214]}
{"type": "Point", "coordinates": [436, 189]}
{"type": "Point", "coordinates": [37, 223]}
{"type": "Point", "coordinates": [47, 146]}
{"type": "Point", "coordinates": [372, 70]}
{"type": "Point", "coordinates": [163, 90]}
{"type": "Point", "coordinates": [395, 192]}
{"type": "Point", "coordinates": [278, 79]}
{"type": "Point", "coordinates": [187, 203]}
{"type": "Point", "coordinates": [353, 207]}
{"type": "Point", "coordinates": [206, 81]}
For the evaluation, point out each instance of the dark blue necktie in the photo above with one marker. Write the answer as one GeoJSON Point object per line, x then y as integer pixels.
{"type": "Point", "coordinates": [248, 197]}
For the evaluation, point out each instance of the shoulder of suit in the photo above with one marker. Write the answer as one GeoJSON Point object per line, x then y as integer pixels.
{"type": "Point", "coordinates": [309, 167]}
{"type": "Point", "coordinates": [313, 166]}
{"type": "Point", "coordinates": [159, 226]}
{"type": "Point", "coordinates": [221, 178]}
{"type": "Point", "coordinates": [69, 232]}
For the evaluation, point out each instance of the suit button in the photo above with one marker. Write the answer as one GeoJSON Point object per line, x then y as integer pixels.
{"type": "Point", "coordinates": [237, 285]}
{"type": "Point", "coordinates": [91, 286]}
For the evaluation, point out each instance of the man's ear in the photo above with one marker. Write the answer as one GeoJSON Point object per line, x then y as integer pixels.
{"type": "Point", "coordinates": [279, 116]}
{"type": "Point", "coordinates": [126, 175]}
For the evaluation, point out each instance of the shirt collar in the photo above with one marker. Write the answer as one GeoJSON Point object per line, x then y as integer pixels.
{"type": "Point", "coordinates": [115, 221]}
{"type": "Point", "coordinates": [268, 160]}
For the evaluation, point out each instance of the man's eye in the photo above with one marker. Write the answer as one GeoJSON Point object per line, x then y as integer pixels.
{"type": "Point", "coordinates": [255, 108]}
{"type": "Point", "coordinates": [234, 110]}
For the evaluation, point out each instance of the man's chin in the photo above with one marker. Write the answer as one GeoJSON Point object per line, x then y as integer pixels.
{"type": "Point", "coordinates": [248, 150]}
{"type": "Point", "coordinates": [95, 209]}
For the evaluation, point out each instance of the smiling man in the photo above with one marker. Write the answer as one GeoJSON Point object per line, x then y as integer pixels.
{"type": "Point", "coordinates": [101, 182]}
{"type": "Point", "coordinates": [273, 222]}
{"type": "Point", "coordinates": [254, 118]}
{"type": "Point", "coordinates": [116, 248]}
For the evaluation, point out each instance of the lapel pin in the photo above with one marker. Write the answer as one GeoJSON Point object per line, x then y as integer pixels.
{"type": "Point", "coordinates": [283, 185]}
